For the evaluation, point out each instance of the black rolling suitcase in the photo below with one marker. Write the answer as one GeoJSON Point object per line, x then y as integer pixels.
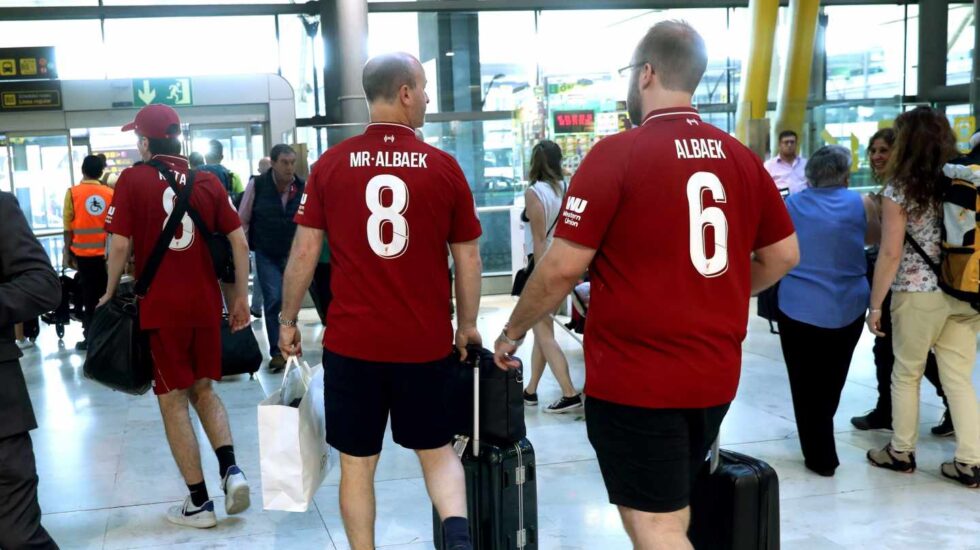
{"type": "Point", "coordinates": [501, 489]}
{"type": "Point", "coordinates": [735, 504]}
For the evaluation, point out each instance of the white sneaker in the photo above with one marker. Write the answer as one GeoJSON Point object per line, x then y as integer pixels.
{"type": "Point", "coordinates": [235, 486]}
{"type": "Point", "coordinates": [189, 515]}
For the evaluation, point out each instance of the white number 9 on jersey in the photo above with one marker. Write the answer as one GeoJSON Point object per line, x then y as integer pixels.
{"type": "Point", "coordinates": [382, 216]}
{"type": "Point", "coordinates": [701, 218]}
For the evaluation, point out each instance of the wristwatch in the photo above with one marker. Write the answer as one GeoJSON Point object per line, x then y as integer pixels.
{"type": "Point", "coordinates": [510, 341]}
{"type": "Point", "coordinates": [287, 322]}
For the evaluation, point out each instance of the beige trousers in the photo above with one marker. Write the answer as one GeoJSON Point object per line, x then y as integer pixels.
{"type": "Point", "coordinates": [924, 320]}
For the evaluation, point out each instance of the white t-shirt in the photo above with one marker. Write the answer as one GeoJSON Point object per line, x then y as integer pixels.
{"type": "Point", "coordinates": [552, 203]}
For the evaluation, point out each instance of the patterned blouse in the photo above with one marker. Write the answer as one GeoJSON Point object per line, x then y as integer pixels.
{"type": "Point", "coordinates": [914, 275]}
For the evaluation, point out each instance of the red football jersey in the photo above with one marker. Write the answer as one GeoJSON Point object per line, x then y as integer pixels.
{"type": "Point", "coordinates": [184, 292]}
{"type": "Point", "coordinates": [675, 209]}
{"type": "Point", "coordinates": [390, 205]}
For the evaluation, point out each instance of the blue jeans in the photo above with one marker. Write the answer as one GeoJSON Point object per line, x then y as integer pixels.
{"type": "Point", "coordinates": [270, 271]}
{"type": "Point", "coordinates": [256, 287]}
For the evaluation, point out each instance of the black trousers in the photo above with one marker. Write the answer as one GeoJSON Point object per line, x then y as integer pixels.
{"type": "Point", "coordinates": [20, 513]}
{"type": "Point", "coordinates": [885, 361]}
{"type": "Point", "coordinates": [817, 360]}
{"type": "Point", "coordinates": [93, 278]}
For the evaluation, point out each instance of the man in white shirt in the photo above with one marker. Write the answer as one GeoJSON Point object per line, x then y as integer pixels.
{"type": "Point", "coordinates": [787, 168]}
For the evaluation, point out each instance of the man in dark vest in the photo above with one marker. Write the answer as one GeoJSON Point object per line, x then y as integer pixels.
{"type": "Point", "coordinates": [268, 206]}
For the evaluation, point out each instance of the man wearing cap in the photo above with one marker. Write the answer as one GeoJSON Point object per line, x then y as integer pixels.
{"type": "Point", "coordinates": [182, 309]}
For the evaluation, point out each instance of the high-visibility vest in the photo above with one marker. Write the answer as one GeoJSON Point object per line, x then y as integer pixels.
{"type": "Point", "coordinates": [91, 204]}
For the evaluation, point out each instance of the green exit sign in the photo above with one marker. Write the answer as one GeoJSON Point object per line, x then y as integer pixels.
{"type": "Point", "coordinates": [168, 91]}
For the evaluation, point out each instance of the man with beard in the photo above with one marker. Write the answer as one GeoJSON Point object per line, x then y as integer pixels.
{"type": "Point", "coordinates": [668, 312]}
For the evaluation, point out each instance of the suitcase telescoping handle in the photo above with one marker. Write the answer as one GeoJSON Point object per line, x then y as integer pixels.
{"type": "Point", "coordinates": [715, 459]}
{"type": "Point", "coordinates": [474, 356]}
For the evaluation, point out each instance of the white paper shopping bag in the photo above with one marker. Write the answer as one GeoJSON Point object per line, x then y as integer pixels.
{"type": "Point", "coordinates": [293, 452]}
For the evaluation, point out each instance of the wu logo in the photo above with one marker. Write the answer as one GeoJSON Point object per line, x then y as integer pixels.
{"type": "Point", "coordinates": [575, 204]}
{"type": "Point", "coordinates": [389, 139]}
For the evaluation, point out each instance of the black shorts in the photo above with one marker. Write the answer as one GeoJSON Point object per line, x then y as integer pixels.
{"type": "Point", "coordinates": [649, 458]}
{"type": "Point", "coordinates": [360, 394]}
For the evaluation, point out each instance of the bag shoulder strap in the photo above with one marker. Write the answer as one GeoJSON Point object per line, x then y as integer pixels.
{"type": "Point", "coordinates": [169, 230]}
{"type": "Point", "coordinates": [922, 253]}
{"type": "Point", "coordinates": [191, 175]}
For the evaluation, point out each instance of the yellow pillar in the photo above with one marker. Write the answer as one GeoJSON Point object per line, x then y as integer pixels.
{"type": "Point", "coordinates": [754, 92]}
{"type": "Point", "coordinates": [795, 84]}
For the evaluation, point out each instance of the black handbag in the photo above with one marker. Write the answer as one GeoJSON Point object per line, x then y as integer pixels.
{"type": "Point", "coordinates": [767, 306]}
{"type": "Point", "coordinates": [119, 352]}
{"type": "Point", "coordinates": [240, 352]}
{"type": "Point", "coordinates": [522, 275]}
{"type": "Point", "coordinates": [218, 243]}
{"type": "Point", "coordinates": [501, 399]}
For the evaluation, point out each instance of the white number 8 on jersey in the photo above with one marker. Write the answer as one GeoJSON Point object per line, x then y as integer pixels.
{"type": "Point", "coordinates": [387, 215]}
{"type": "Point", "coordinates": [701, 218]}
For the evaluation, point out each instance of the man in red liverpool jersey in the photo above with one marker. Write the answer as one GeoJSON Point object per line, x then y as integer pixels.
{"type": "Point", "coordinates": [678, 224]}
{"type": "Point", "coordinates": [182, 308]}
{"type": "Point", "coordinates": [389, 204]}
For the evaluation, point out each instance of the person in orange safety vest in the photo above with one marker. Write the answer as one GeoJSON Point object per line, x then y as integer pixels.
{"type": "Point", "coordinates": [86, 206]}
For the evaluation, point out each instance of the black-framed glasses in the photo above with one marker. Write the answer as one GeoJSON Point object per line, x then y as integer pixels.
{"type": "Point", "coordinates": [625, 70]}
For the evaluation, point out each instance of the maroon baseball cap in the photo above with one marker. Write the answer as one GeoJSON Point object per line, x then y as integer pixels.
{"type": "Point", "coordinates": [155, 122]}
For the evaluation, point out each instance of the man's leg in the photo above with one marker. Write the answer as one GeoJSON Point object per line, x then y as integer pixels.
{"type": "Point", "coordinates": [256, 289]}
{"type": "Point", "coordinates": [357, 499]}
{"type": "Point", "coordinates": [657, 531]}
{"type": "Point", "coordinates": [180, 435]}
{"type": "Point", "coordinates": [20, 514]}
{"type": "Point", "coordinates": [270, 278]}
{"type": "Point", "coordinates": [445, 481]}
{"type": "Point", "coordinates": [212, 413]}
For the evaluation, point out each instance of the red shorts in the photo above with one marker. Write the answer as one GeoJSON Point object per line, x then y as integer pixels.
{"type": "Point", "coordinates": [182, 356]}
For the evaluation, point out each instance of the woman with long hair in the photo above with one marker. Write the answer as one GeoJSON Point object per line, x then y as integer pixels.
{"type": "Point", "coordinates": [880, 418]}
{"type": "Point", "coordinates": [543, 202]}
{"type": "Point", "coordinates": [923, 316]}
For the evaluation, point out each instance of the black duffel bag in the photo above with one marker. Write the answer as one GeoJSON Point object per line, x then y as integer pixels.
{"type": "Point", "coordinates": [118, 355]}
{"type": "Point", "coordinates": [119, 352]}
{"type": "Point", "coordinates": [240, 353]}
{"type": "Point", "coordinates": [501, 399]}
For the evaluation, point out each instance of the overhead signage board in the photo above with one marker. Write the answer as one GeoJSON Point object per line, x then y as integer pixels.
{"type": "Point", "coordinates": [574, 122]}
{"type": "Point", "coordinates": [35, 63]}
{"type": "Point", "coordinates": [30, 96]}
{"type": "Point", "coordinates": [175, 92]}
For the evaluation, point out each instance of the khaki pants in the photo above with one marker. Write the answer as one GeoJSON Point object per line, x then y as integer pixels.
{"type": "Point", "coordinates": [924, 320]}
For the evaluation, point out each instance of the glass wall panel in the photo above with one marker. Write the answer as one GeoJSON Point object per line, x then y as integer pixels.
{"type": "Point", "coordinates": [78, 44]}
{"type": "Point", "coordinates": [393, 32]}
{"type": "Point", "coordinates": [42, 174]}
{"type": "Point", "coordinates": [200, 46]}
{"type": "Point", "coordinates": [495, 242]}
{"type": "Point", "coordinates": [865, 51]}
{"type": "Point", "coordinates": [959, 57]}
{"type": "Point", "coordinates": [508, 66]}
{"type": "Point", "coordinates": [301, 59]}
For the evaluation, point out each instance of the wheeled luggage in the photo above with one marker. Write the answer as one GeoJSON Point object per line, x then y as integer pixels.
{"type": "Point", "coordinates": [735, 504]}
{"type": "Point", "coordinates": [501, 488]}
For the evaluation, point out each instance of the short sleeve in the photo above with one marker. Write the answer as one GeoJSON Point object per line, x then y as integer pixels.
{"type": "Point", "coordinates": [69, 210]}
{"type": "Point", "coordinates": [775, 223]}
{"type": "Point", "coordinates": [894, 194]}
{"type": "Point", "coordinates": [465, 223]}
{"type": "Point", "coordinates": [593, 196]}
{"type": "Point", "coordinates": [311, 211]}
{"type": "Point", "coordinates": [119, 220]}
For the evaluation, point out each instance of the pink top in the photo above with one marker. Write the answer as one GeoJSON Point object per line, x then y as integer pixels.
{"type": "Point", "coordinates": [786, 175]}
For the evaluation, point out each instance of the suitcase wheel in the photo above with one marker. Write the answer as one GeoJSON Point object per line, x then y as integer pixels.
{"type": "Point", "coordinates": [60, 330]}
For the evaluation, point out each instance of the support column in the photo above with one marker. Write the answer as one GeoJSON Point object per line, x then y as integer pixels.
{"type": "Point", "coordinates": [794, 90]}
{"type": "Point", "coordinates": [344, 25]}
{"type": "Point", "coordinates": [933, 30]}
{"type": "Point", "coordinates": [754, 87]}
{"type": "Point", "coordinates": [975, 81]}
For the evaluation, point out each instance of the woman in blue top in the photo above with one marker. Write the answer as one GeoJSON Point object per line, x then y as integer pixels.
{"type": "Point", "coordinates": [822, 301]}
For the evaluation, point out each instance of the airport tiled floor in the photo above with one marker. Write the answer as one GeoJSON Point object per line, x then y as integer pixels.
{"type": "Point", "coordinates": [107, 476]}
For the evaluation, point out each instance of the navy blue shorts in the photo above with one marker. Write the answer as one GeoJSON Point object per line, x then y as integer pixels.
{"type": "Point", "coordinates": [360, 395]}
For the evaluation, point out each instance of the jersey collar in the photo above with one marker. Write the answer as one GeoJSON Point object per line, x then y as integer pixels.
{"type": "Point", "coordinates": [672, 113]}
{"type": "Point", "coordinates": [174, 161]}
{"type": "Point", "coordinates": [389, 128]}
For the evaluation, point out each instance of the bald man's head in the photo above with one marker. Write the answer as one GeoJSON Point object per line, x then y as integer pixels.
{"type": "Point", "coordinates": [385, 75]}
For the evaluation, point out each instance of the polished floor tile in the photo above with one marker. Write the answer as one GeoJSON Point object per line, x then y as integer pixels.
{"type": "Point", "coordinates": [107, 477]}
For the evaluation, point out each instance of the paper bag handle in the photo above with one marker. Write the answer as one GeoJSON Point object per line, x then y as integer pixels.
{"type": "Point", "coordinates": [293, 362]}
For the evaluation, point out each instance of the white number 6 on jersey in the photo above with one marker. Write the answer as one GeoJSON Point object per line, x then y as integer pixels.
{"type": "Point", "coordinates": [387, 215]}
{"type": "Point", "coordinates": [701, 218]}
